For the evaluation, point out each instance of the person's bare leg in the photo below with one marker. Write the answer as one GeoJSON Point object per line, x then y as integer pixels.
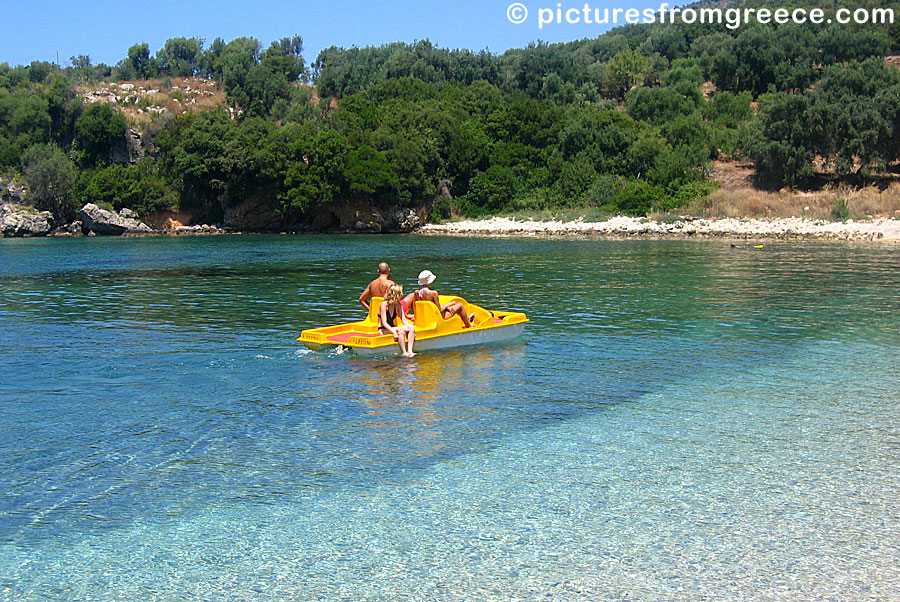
{"type": "Point", "coordinates": [405, 345]}
{"type": "Point", "coordinates": [456, 308]}
{"type": "Point", "coordinates": [410, 340]}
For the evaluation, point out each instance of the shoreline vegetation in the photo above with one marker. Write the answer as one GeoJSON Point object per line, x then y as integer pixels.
{"type": "Point", "coordinates": [649, 122]}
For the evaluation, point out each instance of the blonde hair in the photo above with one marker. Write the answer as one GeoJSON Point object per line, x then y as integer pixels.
{"type": "Point", "coordinates": [393, 294]}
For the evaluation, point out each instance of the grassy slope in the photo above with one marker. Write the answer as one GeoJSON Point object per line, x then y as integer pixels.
{"type": "Point", "coordinates": [738, 197]}
{"type": "Point", "coordinates": [141, 100]}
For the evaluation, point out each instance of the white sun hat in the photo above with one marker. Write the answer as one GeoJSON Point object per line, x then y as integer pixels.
{"type": "Point", "coordinates": [426, 277]}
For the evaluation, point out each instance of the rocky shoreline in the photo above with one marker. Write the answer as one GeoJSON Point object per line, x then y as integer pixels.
{"type": "Point", "coordinates": [24, 221]}
{"type": "Point", "coordinates": [685, 227]}
{"type": "Point", "coordinates": [21, 219]}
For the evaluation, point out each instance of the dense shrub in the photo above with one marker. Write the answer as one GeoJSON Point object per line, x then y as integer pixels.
{"type": "Point", "coordinates": [620, 121]}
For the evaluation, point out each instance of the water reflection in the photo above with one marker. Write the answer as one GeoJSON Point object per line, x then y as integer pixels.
{"type": "Point", "coordinates": [419, 410]}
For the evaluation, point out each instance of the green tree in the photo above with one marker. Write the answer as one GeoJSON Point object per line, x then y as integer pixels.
{"type": "Point", "coordinates": [684, 70]}
{"type": "Point", "coordinates": [286, 58]}
{"type": "Point", "coordinates": [638, 198]}
{"type": "Point", "coordinates": [39, 71]}
{"type": "Point", "coordinates": [314, 176]}
{"type": "Point", "coordinates": [644, 153]}
{"type": "Point", "coordinates": [24, 121]}
{"type": "Point", "coordinates": [691, 136]}
{"type": "Point", "coordinates": [234, 64]}
{"type": "Point", "coordinates": [491, 190]}
{"type": "Point", "coordinates": [780, 140]}
{"type": "Point", "coordinates": [603, 136]}
{"type": "Point", "coordinates": [209, 61]}
{"type": "Point", "coordinates": [728, 109]}
{"type": "Point", "coordinates": [195, 154]}
{"type": "Point", "coordinates": [368, 172]}
{"type": "Point", "coordinates": [851, 125]}
{"type": "Point", "coordinates": [576, 180]}
{"type": "Point", "coordinates": [180, 57]}
{"type": "Point", "coordinates": [268, 82]}
{"type": "Point", "coordinates": [841, 43]}
{"type": "Point", "coordinates": [64, 107]}
{"type": "Point", "coordinates": [83, 71]}
{"type": "Point", "coordinates": [626, 70]}
{"type": "Point", "coordinates": [50, 176]}
{"type": "Point", "coordinates": [661, 104]}
{"type": "Point", "coordinates": [139, 63]}
{"type": "Point", "coordinates": [137, 187]}
{"type": "Point", "coordinates": [667, 40]}
{"type": "Point", "coordinates": [467, 154]}
{"type": "Point", "coordinates": [100, 133]}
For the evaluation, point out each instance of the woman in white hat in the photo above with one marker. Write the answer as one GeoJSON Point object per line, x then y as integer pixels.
{"type": "Point", "coordinates": [425, 293]}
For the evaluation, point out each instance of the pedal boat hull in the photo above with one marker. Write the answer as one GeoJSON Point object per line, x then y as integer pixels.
{"type": "Point", "coordinates": [432, 331]}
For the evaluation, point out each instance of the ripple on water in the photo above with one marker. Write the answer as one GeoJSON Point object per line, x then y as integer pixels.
{"type": "Point", "coordinates": [679, 422]}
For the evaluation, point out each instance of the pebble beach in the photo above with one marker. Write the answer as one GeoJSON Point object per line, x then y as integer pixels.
{"type": "Point", "coordinates": [744, 228]}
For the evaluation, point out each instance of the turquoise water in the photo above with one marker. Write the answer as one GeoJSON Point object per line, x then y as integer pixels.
{"type": "Point", "coordinates": [680, 421]}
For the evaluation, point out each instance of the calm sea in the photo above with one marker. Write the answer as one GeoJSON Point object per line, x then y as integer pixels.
{"type": "Point", "coordinates": [682, 420]}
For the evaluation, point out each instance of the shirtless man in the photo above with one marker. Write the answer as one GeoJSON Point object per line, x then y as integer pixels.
{"type": "Point", "coordinates": [448, 310]}
{"type": "Point", "coordinates": [379, 286]}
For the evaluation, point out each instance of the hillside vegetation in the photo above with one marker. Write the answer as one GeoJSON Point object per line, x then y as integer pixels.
{"type": "Point", "coordinates": [628, 122]}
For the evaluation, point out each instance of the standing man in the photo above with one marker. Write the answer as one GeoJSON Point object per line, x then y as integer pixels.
{"type": "Point", "coordinates": [379, 286]}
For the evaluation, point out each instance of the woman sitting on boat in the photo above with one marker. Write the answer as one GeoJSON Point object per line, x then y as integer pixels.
{"type": "Point", "coordinates": [448, 310]}
{"type": "Point", "coordinates": [390, 310]}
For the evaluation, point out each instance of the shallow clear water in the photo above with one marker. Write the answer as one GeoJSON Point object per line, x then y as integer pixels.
{"type": "Point", "coordinates": [680, 421]}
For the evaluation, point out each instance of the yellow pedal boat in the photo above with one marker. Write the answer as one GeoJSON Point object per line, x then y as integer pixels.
{"type": "Point", "coordinates": [432, 330]}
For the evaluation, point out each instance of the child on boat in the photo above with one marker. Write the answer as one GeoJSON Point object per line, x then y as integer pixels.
{"type": "Point", "coordinates": [390, 310]}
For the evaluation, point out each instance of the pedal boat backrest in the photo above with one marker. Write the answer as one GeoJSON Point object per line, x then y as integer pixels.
{"type": "Point", "coordinates": [374, 307]}
{"type": "Point", "coordinates": [427, 315]}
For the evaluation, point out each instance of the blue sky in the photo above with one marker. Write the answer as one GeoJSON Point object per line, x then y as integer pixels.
{"type": "Point", "coordinates": [39, 29]}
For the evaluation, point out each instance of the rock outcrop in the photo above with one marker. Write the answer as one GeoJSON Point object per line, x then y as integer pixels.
{"type": "Point", "coordinates": [76, 228]}
{"type": "Point", "coordinates": [353, 216]}
{"type": "Point", "coordinates": [24, 221]}
{"type": "Point", "coordinates": [197, 229]}
{"type": "Point", "coordinates": [252, 215]}
{"type": "Point", "coordinates": [12, 192]}
{"type": "Point", "coordinates": [135, 144]}
{"type": "Point", "coordinates": [101, 221]}
{"type": "Point", "coordinates": [362, 217]}
{"type": "Point", "coordinates": [403, 219]}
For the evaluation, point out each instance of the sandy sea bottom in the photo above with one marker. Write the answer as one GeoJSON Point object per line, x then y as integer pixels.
{"type": "Point", "coordinates": [679, 422]}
